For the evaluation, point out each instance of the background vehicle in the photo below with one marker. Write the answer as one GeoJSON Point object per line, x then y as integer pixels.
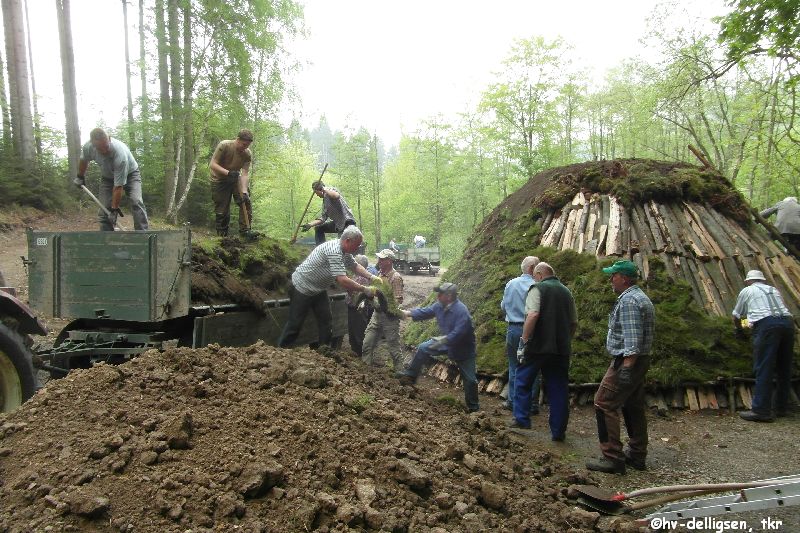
{"type": "Point", "coordinates": [126, 292]}
{"type": "Point", "coordinates": [411, 260]}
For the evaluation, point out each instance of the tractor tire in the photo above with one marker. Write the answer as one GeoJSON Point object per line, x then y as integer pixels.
{"type": "Point", "coordinates": [17, 376]}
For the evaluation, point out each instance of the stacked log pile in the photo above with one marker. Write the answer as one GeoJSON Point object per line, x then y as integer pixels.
{"type": "Point", "coordinates": [732, 394]}
{"type": "Point", "coordinates": [697, 243]}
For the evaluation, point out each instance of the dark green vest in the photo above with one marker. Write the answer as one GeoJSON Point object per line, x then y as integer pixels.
{"type": "Point", "coordinates": [556, 309]}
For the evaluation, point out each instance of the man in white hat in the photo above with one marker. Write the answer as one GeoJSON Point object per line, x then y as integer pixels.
{"type": "Point", "coordinates": [788, 219]}
{"type": "Point", "coordinates": [773, 344]}
{"type": "Point", "coordinates": [383, 324]}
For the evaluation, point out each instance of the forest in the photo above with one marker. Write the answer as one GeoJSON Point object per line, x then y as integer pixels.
{"type": "Point", "coordinates": [221, 65]}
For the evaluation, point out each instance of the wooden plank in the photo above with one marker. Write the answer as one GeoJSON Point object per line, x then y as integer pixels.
{"type": "Point", "coordinates": [691, 399]}
{"type": "Point", "coordinates": [655, 228]}
{"type": "Point", "coordinates": [548, 218]}
{"type": "Point", "coordinates": [727, 296]}
{"type": "Point", "coordinates": [720, 235]}
{"type": "Point", "coordinates": [566, 238]}
{"type": "Point", "coordinates": [699, 228]}
{"type": "Point", "coordinates": [702, 401]}
{"type": "Point", "coordinates": [689, 238]}
{"type": "Point", "coordinates": [601, 239]}
{"type": "Point", "coordinates": [643, 234]}
{"type": "Point", "coordinates": [614, 226]}
{"type": "Point", "coordinates": [744, 394]}
{"type": "Point", "coordinates": [624, 230]}
{"type": "Point", "coordinates": [580, 231]}
{"type": "Point", "coordinates": [711, 398]}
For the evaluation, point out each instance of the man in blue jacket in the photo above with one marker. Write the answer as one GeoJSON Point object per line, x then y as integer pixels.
{"type": "Point", "coordinates": [457, 341]}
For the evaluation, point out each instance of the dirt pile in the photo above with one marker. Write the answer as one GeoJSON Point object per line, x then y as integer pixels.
{"type": "Point", "coordinates": [267, 439]}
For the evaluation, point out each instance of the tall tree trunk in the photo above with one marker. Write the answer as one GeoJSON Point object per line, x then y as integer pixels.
{"type": "Point", "coordinates": [68, 84]}
{"type": "Point", "coordinates": [188, 119]}
{"type": "Point", "coordinates": [376, 192]}
{"type": "Point", "coordinates": [175, 65]}
{"type": "Point", "coordinates": [131, 137]}
{"type": "Point", "coordinates": [37, 131]}
{"type": "Point", "coordinates": [166, 109]}
{"type": "Point", "coordinates": [16, 54]}
{"type": "Point", "coordinates": [143, 77]}
{"type": "Point", "coordinates": [4, 108]}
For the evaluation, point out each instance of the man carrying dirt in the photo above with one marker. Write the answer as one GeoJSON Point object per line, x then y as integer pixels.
{"type": "Point", "coordinates": [788, 222]}
{"type": "Point", "coordinates": [119, 172]}
{"type": "Point", "coordinates": [513, 305]}
{"type": "Point", "coordinates": [631, 326]}
{"type": "Point", "coordinates": [457, 341]}
{"type": "Point", "coordinates": [773, 345]}
{"type": "Point", "coordinates": [546, 345]}
{"type": "Point", "coordinates": [230, 178]}
{"type": "Point", "coordinates": [310, 281]}
{"type": "Point", "coordinates": [335, 208]}
{"type": "Point", "coordinates": [382, 324]}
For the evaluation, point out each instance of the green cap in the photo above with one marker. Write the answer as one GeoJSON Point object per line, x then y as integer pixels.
{"type": "Point", "coordinates": [626, 268]}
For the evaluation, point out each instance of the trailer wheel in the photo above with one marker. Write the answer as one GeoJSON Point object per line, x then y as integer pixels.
{"type": "Point", "coordinates": [17, 377]}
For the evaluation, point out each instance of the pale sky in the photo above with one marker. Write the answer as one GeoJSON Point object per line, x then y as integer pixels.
{"type": "Point", "coordinates": [382, 64]}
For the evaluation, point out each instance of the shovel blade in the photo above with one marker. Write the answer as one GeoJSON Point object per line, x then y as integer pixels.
{"type": "Point", "coordinates": [598, 493]}
{"type": "Point", "coordinates": [601, 506]}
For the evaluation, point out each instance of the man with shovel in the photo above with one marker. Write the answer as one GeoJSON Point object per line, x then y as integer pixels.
{"type": "Point", "coordinates": [230, 168]}
{"type": "Point", "coordinates": [335, 208]}
{"type": "Point", "coordinates": [119, 172]}
{"type": "Point", "coordinates": [631, 326]}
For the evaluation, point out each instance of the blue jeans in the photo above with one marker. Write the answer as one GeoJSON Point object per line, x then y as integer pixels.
{"type": "Point", "coordinates": [555, 369]}
{"type": "Point", "coordinates": [467, 367]}
{"type": "Point", "coordinates": [773, 348]}
{"type": "Point", "coordinates": [512, 342]}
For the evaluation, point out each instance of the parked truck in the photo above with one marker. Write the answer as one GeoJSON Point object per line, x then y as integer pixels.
{"type": "Point", "coordinates": [410, 260]}
{"type": "Point", "coordinates": [125, 292]}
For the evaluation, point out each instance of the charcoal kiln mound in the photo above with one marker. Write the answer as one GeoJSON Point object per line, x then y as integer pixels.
{"type": "Point", "coordinates": [690, 232]}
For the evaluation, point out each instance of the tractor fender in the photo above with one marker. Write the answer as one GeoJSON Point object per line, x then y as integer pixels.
{"type": "Point", "coordinates": [28, 323]}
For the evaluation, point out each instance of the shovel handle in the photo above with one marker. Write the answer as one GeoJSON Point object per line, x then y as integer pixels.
{"type": "Point", "coordinates": [717, 487]}
{"type": "Point", "coordinates": [296, 231]}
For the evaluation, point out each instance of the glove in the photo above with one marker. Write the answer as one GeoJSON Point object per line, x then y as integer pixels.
{"type": "Point", "coordinates": [79, 181]}
{"type": "Point", "coordinates": [521, 352]}
{"type": "Point", "coordinates": [113, 213]}
{"type": "Point", "coordinates": [440, 342]}
{"type": "Point", "coordinates": [305, 227]}
{"type": "Point", "coordinates": [624, 376]}
{"type": "Point", "coordinates": [233, 174]}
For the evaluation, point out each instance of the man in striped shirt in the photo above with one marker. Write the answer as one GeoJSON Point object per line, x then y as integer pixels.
{"type": "Point", "coordinates": [631, 326]}
{"type": "Point", "coordinates": [335, 207]}
{"type": "Point", "coordinates": [326, 264]}
{"type": "Point", "coordinates": [773, 344]}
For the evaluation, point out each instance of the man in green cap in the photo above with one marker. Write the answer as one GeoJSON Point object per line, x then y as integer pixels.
{"type": "Point", "coordinates": [631, 325]}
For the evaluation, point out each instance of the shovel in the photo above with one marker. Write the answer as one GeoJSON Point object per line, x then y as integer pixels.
{"type": "Point", "coordinates": [117, 226]}
{"type": "Point", "coordinates": [618, 508]}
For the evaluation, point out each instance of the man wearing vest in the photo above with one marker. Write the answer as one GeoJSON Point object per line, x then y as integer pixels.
{"type": "Point", "coordinates": [773, 344]}
{"type": "Point", "coordinates": [546, 344]}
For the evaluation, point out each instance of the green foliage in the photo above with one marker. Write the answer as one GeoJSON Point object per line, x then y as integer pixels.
{"type": "Point", "coordinates": [361, 403]}
{"type": "Point", "coordinates": [448, 399]}
{"type": "Point", "coordinates": [770, 27]}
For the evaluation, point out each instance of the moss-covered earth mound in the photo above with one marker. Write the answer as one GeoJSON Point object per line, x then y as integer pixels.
{"type": "Point", "coordinates": [690, 345]}
{"type": "Point", "coordinates": [230, 270]}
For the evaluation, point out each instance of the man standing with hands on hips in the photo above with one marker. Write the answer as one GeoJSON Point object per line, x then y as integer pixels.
{"type": "Point", "coordinates": [631, 326]}
{"type": "Point", "coordinates": [119, 172]}
{"type": "Point", "coordinates": [230, 178]}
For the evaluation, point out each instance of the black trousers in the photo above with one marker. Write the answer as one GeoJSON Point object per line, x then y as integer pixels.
{"type": "Point", "coordinates": [299, 306]}
{"type": "Point", "coordinates": [329, 227]}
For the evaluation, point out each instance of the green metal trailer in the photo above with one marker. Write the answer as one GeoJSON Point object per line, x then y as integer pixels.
{"type": "Point", "coordinates": [126, 292]}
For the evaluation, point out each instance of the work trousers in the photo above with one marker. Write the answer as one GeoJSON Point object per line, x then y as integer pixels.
{"type": "Point", "coordinates": [611, 397]}
{"type": "Point", "coordinates": [133, 190]}
{"type": "Point", "coordinates": [555, 369]}
{"type": "Point", "coordinates": [222, 190]}
{"type": "Point", "coordinates": [773, 349]}
{"type": "Point", "coordinates": [299, 306]}
{"type": "Point", "coordinates": [467, 367]}
{"type": "Point", "coordinates": [356, 326]}
{"type": "Point", "coordinates": [513, 335]}
{"type": "Point", "coordinates": [329, 227]}
{"type": "Point", "coordinates": [382, 325]}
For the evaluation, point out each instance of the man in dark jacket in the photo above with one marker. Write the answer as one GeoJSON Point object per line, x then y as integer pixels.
{"type": "Point", "coordinates": [546, 344]}
{"type": "Point", "coordinates": [457, 341]}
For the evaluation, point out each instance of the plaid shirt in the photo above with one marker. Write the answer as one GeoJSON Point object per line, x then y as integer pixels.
{"type": "Point", "coordinates": [631, 324]}
{"type": "Point", "coordinates": [395, 281]}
